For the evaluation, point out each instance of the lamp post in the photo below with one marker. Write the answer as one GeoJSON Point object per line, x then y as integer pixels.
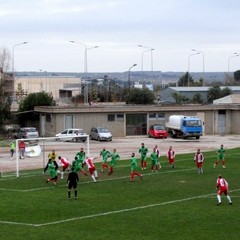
{"type": "Point", "coordinates": [203, 59]}
{"type": "Point", "coordinates": [129, 83]}
{"type": "Point", "coordinates": [189, 56]}
{"type": "Point", "coordinates": [86, 48]}
{"type": "Point", "coordinates": [13, 53]}
{"type": "Point", "coordinates": [148, 50]}
{"type": "Point", "coordinates": [233, 56]}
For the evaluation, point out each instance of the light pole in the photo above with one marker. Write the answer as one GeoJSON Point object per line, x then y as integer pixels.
{"type": "Point", "coordinates": [203, 60]}
{"type": "Point", "coordinates": [189, 56]}
{"type": "Point", "coordinates": [86, 48]}
{"type": "Point", "coordinates": [129, 83]}
{"type": "Point", "coordinates": [233, 56]}
{"type": "Point", "coordinates": [13, 52]}
{"type": "Point", "coordinates": [148, 50]}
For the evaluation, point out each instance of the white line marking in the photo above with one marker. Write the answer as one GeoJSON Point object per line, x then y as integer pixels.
{"type": "Point", "coordinates": [113, 212]}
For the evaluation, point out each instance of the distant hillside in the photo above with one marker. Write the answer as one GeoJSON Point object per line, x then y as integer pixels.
{"type": "Point", "coordinates": [155, 76]}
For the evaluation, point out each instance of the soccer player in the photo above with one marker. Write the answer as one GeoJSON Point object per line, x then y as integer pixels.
{"type": "Point", "coordinates": [199, 158]}
{"type": "Point", "coordinates": [91, 168]}
{"type": "Point", "coordinates": [158, 155]}
{"type": "Point", "coordinates": [222, 187]}
{"type": "Point", "coordinates": [12, 149]}
{"type": "Point", "coordinates": [134, 167]}
{"type": "Point", "coordinates": [53, 173]}
{"type": "Point", "coordinates": [22, 147]}
{"type": "Point", "coordinates": [114, 158]}
{"type": "Point", "coordinates": [105, 154]}
{"type": "Point", "coordinates": [77, 166]}
{"type": "Point", "coordinates": [65, 164]}
{"type": "Point", "coordinates": [171, 157]}
{"type": "Point", "coordinates": [154, 160]}
{"type": "Point", "coordinates": [51, 158]}
{"type": "Point", "coordinates": [143, 151]}
{"type": "Point", "coordinates": [220, 157]}
{"type": "Point", "coordinates": [72, 183]}
{"type": "Point", "coordinates": [81, 155]}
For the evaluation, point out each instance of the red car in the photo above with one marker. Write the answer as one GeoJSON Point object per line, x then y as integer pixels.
{"type": "Point", "coordinates": [157, 131]}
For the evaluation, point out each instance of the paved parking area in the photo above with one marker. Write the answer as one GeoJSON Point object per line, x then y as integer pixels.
{"type": "Point", "coordinates": [125, 146]}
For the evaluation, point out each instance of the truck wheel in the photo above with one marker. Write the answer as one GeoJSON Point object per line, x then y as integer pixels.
{"type": "Point", "coordinates": [198, 137]}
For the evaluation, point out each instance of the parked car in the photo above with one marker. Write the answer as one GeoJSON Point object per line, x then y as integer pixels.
{"type": "Point", "coordinates": [71, 134]}
{"type": "Point", "coordinates": [157, 131]}
{"type": "Point", "coordinates": [100, 134]}
{"type": "Point", "coordinates": [27, 132]}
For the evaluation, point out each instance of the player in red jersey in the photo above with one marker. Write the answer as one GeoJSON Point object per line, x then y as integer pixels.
{"type": "Point", "coordinates": [199, 158]}
{"type": "Point", "coordinates": [171, 157]}
{"type": "Point", "coordinates": [65, 164]}
{"type": "Point", "coordinates": [222, 187]}
{"type": "Point", "coordinates": [91, 168]}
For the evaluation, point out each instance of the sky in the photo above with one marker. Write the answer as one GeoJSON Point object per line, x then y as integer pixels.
{"type": "Point", "coordinates": [171, 27]}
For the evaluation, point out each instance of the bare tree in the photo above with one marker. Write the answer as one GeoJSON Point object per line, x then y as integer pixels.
{"type": "Point", "coordinates": [4, 59]}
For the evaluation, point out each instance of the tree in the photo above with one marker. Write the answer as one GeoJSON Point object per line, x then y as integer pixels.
{"type": "Point", "coordinates": [236, 75]}
{"type": "Point", "coordinates": [186, 80]}
{"type": "Point", "coordinates": [197, 98]}
{"type": "Point", "coordinates": [140, 96]}
{"type": "Point", "coordinates": [4, 59]}
{"type": "Point", "coordinates": [180, 98]}
{"type": "Point", "coordinates": [226, 91]}
{"type": "Point", "coordinates": [26, 106]}
{"type": "Point", "coordinates": [213, 93]}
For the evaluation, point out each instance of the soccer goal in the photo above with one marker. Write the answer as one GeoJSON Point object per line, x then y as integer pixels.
{"type": "Point", "coordinates": [31, 154]}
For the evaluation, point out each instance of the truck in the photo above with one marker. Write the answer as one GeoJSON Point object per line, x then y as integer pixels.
{"type": "Point", "coordinates": [184, 126]}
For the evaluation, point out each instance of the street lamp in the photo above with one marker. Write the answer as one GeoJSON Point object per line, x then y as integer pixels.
{"type": "Point", "coordinates": [129, 85]}
{"type": "Point", "coordinates": [86, 48]}
{"type": "Point", "coordinates": [235, 55]}
{"type": "Point", "coordinates": [189, 56]}
{"type": "Point", "coordinates": [203, 60]}
{"type": "Point", "coordinates": [13, 52]}
{"type": "Point", "coordinates": [149, 49]}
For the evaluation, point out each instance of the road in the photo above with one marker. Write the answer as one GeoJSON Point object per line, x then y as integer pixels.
{"type": "Point", "coordinates": [125, 146]}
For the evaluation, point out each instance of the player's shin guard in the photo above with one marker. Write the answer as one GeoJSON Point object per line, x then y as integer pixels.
{"type": "Point", "coordinates": [219, 198]}
{"type": "Point", "coordinates": [229, 199]}
{"type": "Point", "coordinates": [69, 194]}
{"type": "Point", "coordinates": [75, 193]}
{"type": "Point", "coordinates": [93, 177]}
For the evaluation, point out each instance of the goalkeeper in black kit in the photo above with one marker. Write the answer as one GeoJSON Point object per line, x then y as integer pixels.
{"type": "Point", "coordinates": [72, 183]}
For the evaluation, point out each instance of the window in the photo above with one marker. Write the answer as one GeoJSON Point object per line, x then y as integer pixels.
{"type": "Point", "coordinates": [157, 116]}
{"type": "Point", "coordinates": [48, 117]}
{"type": "Point", "coordinates": [118, 117]}
{"type": "Point", "coordinates": [111, 118]}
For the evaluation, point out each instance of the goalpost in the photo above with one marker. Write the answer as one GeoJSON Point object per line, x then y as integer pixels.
{"type": "Point", "coordinates": [37, 150]}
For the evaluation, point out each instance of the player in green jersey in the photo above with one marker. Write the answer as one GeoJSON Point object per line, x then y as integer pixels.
{"type": "Point", "coordinates": [114, 158]}
{"type": "Point", "coordinates": [53, 173]}
{"type": "Point", "coordinates": [77, 166]}
{"type": "Point", "coordinates": [104, 154]}
{"type": "Point", "coordinates": [143, 151]}
{"type": "Point", "coordinates": [220, 157]}
{"type": "Point", "coordinates": [134, 167]}
{"type": "Point", "coordinates": [80, 159]}
{"type": "Point", "coordinates": [154, 160]}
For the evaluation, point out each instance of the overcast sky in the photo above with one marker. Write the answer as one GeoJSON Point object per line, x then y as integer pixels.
{"type": "Point", "coordinates": [171, 27]}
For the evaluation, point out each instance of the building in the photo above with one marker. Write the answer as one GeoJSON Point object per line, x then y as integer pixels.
{"type": "Point", "coordinates": [128, 120]}
{"type": "Point", "coordinates": [166, 95]}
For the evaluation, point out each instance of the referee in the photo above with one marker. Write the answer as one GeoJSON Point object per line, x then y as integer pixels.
{"type": "Point", "coordinates": [72, 183]}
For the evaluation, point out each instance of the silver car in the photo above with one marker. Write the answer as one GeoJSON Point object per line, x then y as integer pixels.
{"type": "Point", "coordinates": [27, 132]}
{"type": "Point", "coordinates": [100, 134]}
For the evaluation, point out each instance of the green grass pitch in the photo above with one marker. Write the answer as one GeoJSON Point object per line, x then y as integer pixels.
{"type": "Point", "coordinates": [171, 204]}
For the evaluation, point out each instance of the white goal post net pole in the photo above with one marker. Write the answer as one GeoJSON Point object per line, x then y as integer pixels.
{"type": "Point", "coordinates": [44, 140]}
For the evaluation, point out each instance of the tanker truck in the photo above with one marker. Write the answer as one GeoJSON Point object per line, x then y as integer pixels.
{"type": "Point", "coordinates": [184, 126]}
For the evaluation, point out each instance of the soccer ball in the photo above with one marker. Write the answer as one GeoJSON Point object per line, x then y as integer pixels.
{"type": "Point", "coordinates": [58, 172]}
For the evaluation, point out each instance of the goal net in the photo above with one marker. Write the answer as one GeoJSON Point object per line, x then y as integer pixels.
{"type": "Point", "coordinates": [31, 155]}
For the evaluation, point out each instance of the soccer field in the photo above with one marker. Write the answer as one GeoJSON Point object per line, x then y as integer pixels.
{"type": "Point", "coordinates": [171, 204]}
